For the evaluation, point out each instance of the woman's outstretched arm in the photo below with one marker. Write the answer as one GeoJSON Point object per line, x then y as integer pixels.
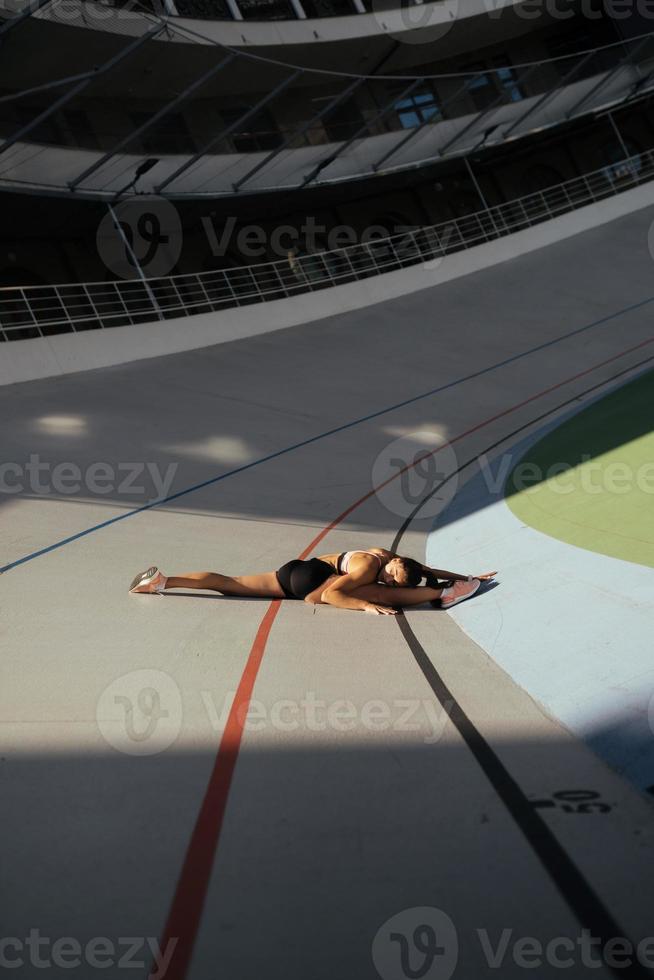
{"type": "Point", "coordinates": [397, 595]}
{"type": "Point", "coordinates": [444, 574]}
{"type": "Point", "coordinates": [456, 576]}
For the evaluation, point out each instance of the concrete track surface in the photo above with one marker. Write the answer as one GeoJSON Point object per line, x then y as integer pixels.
{"type": "Point", "coordinates": [387, 807]}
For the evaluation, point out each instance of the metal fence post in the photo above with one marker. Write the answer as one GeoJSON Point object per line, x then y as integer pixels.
{"type": "Point", "coordinates": [130, 251]}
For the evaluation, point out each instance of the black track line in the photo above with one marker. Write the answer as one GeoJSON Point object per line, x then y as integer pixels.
{"type": "Point", "coordinates": [581, 898]}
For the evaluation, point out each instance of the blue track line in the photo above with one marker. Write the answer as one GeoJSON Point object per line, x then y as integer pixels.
{"type": "Point", "coordinates": [322, 435]}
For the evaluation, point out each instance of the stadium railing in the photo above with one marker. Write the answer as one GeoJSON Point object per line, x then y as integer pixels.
{"type": "Point", "coordinates": [38, 311]}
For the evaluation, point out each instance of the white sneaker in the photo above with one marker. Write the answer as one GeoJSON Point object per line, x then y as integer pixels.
{"type": "Point", "coordinates": [151, 581]}
{"type": "Point", "coordinates": [458, 592]}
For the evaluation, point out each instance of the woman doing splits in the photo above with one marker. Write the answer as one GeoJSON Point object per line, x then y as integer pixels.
{"type": "Point", "coordinates": [374, 581]}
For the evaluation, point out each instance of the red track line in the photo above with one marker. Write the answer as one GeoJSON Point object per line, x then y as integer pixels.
{"type": "Point", "coordinates": [462, 435]}
{"type": "Point", "coordinates": [188, 901]}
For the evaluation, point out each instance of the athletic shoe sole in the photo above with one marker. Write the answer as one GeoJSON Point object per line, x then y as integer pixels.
{"type": "Point", "coordinates": [453, 602]}
{"type": "Point", "coordinates": [142, 577]}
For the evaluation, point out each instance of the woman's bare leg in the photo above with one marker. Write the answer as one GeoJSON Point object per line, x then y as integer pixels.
{"type": "Point", "coordinates": [264, 586]}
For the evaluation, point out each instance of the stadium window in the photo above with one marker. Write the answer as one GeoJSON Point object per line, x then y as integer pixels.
{"type": "Point", "coordinates": [506, 78]}
{"type": "Point", "coordinates": [417, 108]}
{"type": "Point", "coordinates": [480, 86]}
{"type": "Point", "coordinates": [497, 78]}
{"type": "Point", "coordinates": [205, 9]}
{"type": "Point", "coordinates": [328, 8]}
{"type": "Point", "coordinates": [266, 10]}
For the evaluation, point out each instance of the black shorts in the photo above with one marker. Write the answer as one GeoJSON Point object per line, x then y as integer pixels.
{"type": "Point", "coordinates": [298, 578]}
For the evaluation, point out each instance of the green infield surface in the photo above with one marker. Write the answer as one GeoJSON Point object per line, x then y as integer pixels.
{"type": "Point", "coordinates": [590, 481]}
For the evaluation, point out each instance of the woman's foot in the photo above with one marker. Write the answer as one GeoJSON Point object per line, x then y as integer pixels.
{"type": "Point", "coordinates": [151, 581]}
{"type": "Point", "coordinates": [458, 592]}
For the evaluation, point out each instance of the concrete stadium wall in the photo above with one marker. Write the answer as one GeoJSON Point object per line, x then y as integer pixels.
{"type": "Point", "coordinates": [27, 360]}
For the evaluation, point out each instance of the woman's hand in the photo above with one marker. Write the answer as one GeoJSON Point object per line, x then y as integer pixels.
{"type": "Point", "coordinates": [377, 610]}
{"type": "Point", "coordinates": [486, 576]}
